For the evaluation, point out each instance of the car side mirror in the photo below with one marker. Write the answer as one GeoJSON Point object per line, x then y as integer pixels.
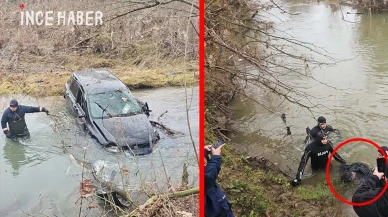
{"type": "Point", "coordinates": [146, 109]}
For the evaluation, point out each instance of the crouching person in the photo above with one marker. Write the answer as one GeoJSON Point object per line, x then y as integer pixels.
{"type": "Point", "coordinates": [369, 190]}
{"type": "Point", "coordinates": [216, 203]}
{"type": "Point", "coordinates": [372, 186]}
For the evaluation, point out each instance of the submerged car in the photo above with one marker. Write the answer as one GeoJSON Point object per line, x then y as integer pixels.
{"type": "Point", "coordinates": [106, 108]}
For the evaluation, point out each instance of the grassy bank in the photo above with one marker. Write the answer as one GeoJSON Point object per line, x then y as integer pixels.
{"type": "Point", "coordinates": [46, 81]}
{"type": "Point", "coordinates": [257, 188]}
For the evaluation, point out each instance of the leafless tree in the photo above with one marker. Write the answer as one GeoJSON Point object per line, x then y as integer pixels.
{"type": "Point", "coordinates": [244, 48]}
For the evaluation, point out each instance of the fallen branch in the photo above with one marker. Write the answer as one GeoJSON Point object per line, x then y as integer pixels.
{"type": "Point", "coordinates": [113, 188]}
{"type": "Point", "coordinates": [154, 198]}
{"type": "Point", "coordinates": [161, 115]}
{"type": "Point", "coordinates": [169, 131]}
{"type": "Point", "coordinates": [85, 40]}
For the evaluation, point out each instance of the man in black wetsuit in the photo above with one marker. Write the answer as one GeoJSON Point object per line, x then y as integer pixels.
{"type": "Point", "coordinates": [319, 151]}
{"type": "Point", "coordinates": [14, 116]}
{"type": "Point", "coordinates": [321, 127]}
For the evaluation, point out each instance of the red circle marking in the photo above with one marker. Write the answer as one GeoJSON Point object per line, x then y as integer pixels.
{"type": "Point", "coordinates": [21, 6]}
{"type": "Point", "coordinates": [328, 169]}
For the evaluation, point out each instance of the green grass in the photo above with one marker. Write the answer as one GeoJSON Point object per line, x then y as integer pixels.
{"type": "Point", "coordinates": [316, 192]}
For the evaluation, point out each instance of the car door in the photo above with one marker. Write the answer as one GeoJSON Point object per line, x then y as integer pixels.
{"type": "Point", "coordinates": [84, 107]}
{"type": "Point", "coordinates": [77, 106]}
{"type": "Point", "coordinates": [71, 93]}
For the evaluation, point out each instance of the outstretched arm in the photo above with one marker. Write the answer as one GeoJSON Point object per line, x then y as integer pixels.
{"type": "Point", "coordinates": [330, 128]}
{"type": "Point", "coordinates": [302, 165]}
{"type": "Point", "coordinates": [336, 156]}
{"type": "Point", "coordinates": [31, 109]}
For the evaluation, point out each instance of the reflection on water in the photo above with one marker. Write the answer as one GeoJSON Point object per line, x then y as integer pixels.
{"type": "Point", "coordinates": [19, 154]}
{"type": "Point", "coordinates": [14, 155]}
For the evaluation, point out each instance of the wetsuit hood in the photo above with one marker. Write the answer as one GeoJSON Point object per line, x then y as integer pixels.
{"type": "Point", "coordinates": [319, 143]}
{"type": "Point", "coordinates": [318, 138]}
{"type": "Point", "coordinates": [321, 120]}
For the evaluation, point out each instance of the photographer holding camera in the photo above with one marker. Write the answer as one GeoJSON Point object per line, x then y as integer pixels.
{"type": "Point", "coordinates": [216, 203]}
{"type": "Point", "coordinates": [371, 187]}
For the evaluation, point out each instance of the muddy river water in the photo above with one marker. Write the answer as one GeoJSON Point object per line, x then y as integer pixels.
{"type": "Point", "coordinates": [356, 105]}
{"type": "Point", "coordinates": [38, 176]}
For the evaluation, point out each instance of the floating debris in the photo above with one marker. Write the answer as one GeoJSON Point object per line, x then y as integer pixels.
{"type": "Point", "coordinates": [288, 131]}
{"type": "Point", "coordinates": [284, 118]}
{"type": "Point", "coordinates": [86, 188]}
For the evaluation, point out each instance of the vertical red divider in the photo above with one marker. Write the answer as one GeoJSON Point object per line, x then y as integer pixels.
{"type": "Point", "coordinates": [201, 106]}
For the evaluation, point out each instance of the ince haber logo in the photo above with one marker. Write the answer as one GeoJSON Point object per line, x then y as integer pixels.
{"type": "Point", "coordinates": [49, 18]}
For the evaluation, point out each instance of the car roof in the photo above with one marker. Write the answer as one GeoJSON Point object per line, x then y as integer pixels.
{"type": "Point", "coordinates": [98, 81]}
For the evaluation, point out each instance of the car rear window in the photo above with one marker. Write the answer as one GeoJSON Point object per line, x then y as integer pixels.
{"type": "Point", "coordinates": [116, 104]}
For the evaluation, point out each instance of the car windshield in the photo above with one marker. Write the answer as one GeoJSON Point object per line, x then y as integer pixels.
{"type": "Point", "coordinates": [113, 104]}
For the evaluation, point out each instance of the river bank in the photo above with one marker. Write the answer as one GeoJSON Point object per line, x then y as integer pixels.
{"type": "Point", "coordinates": [379, 5]}
{"type": "Point", "coordinates": [46, 76]}
{"type": "Point", "coordinates": [254, 185]}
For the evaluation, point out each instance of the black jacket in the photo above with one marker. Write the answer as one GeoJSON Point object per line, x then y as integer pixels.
{"type": "Point", "coordinates": [361, 169]}
{"type": "Point", "coordinates": [319, 154]}
{"type": "Point", "coordinates": [216, 203]}
{"type": "Point", "coordinates": [316, 129]}
{"type": "Point", "coordinates": [367, 191]}
{"type": "Point", "coordinates": [9, 116]}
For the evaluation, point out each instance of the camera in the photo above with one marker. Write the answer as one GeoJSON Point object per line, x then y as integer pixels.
{"type": "Point", "coordinates": [381, 164]}
{"type": "Point", "coordinates": [218, 143]}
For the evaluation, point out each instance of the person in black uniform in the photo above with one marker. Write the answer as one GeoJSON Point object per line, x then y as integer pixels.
{"type": "Point", "coordinates": [14, 116]}
{"type": "Point", "coordinates": [319, 151]}
{"type": "Point", "coordinates": [321, 127]}
{"type": "Point", "coordinates": [369, 190]}
{"type": "Point", "coordinates": [216, 203]}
